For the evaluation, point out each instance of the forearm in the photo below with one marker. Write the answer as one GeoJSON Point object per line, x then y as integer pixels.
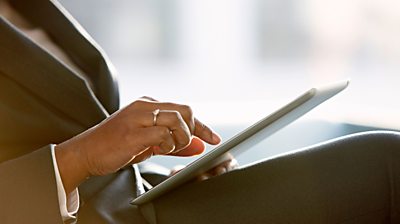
{"type": "Point", "coordinates": [69, 160]}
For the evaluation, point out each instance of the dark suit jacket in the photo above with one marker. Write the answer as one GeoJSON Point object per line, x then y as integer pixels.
{"type": "Point", "coordinates": [43, 102]}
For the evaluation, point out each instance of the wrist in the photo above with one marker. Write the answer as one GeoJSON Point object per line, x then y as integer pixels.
{"type": "Point", "coordinates": [71, 165]}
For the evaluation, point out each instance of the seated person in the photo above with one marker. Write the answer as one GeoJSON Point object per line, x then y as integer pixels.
{"type": "Point", "coordinates": [66, 148]}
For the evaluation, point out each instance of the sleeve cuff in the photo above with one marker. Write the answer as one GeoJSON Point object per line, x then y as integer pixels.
{"type": "Point", "coordinates": [68, 206]}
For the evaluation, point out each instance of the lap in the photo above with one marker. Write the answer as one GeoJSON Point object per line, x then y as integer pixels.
{"type": "Point", "coordinates": [348, 180]}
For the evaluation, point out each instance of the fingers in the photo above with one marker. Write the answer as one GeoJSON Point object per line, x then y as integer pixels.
{"type": "Point", "coordinates": [204, 176]}
{"type": "Point", "coordinates": [219, 170]}
{"type": "Point", "coordinates": [196, 147]}
{"type": "Point", "coordinates": [169, 119]}
{"type": "Point", "coordinates": [155, 136]}
{"type": "Point", "coordinates": [195, 127]}
{"type": "Point", "coordinates": [184, 110]}
{"type": "Point", "coordinates": [205, 133]}
{"type": "Point", "coordinates": [149, 104]}
{"type": "Point", "coordinates": [222, 168]}
{"type": "Point", "coordinates": [142, 156]}
{"type": "Point", "coordinates": [229, 164]}
{"type": "Point", "coordinates": [160, 141]}
{"type": "Point", "coordinates": [176, 169]}
{"type": "Point", "coordinates": [174, 121]}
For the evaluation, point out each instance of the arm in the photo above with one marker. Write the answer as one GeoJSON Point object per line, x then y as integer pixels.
{"type": "Point", "coordinates": [129, 136]}
{"type": "Point", "coordinates": [69, 204]}
{"type": "Point", "coordinates": [26, 182]}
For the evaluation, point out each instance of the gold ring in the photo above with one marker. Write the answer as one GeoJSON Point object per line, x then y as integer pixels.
{"type": "Point", "coordinates": [155, 115]}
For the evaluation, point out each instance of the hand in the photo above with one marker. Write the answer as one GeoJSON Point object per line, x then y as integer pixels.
{"type": "Point", "coordinates": [222, 168]}
{"type": "Point", "coordinates": [130, 136]}
{"type": "Point", "coordinates": [229, 164]}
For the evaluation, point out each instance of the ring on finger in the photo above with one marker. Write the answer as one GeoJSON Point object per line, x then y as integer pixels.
{"type": "Point", "coordinates": [155, 116]}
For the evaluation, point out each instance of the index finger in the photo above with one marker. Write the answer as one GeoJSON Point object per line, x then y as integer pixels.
{"type": "Point", "coordinates": [205, 133]}
{"type": "Point", "coordinates": [196, 127]}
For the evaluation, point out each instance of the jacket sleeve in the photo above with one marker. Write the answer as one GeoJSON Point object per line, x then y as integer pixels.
{"type": "Point", "coordinates": [28, 190]}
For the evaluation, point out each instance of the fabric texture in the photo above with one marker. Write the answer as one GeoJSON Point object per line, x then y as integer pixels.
{"type": "Point", "coordinates": [355, 179]}
{"type": "Point", "coordinates": [28, 191]}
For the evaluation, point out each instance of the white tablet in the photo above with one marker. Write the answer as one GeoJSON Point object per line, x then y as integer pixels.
{"type": "Point", "coordinates": [246, 139]}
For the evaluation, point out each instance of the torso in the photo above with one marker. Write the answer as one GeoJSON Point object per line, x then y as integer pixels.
{"type": "Point", "coordinates": [40, 37]}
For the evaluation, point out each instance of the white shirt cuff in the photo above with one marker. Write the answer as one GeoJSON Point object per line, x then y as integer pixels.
{"type": "Point", "coordinates": [68, 208]}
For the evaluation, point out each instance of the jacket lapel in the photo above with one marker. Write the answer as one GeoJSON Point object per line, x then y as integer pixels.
{"type": "Point", "coordinates": [46, 77]}
{"type": "Point", "coordinates": [70, 36]}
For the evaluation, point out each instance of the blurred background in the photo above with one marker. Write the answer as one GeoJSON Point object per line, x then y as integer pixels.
{"type": "Point", "coordinates": [234, 61]}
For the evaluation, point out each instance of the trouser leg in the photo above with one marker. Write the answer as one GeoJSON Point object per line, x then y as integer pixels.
{"type": "Point", "coordinates": [106, 200]}
{"type": "Point", "coordinates": [350, 180]}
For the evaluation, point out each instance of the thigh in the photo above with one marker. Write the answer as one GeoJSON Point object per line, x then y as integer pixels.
{"type": "Point", "coordinates": [353, 179]}
{"type": "Point", "coordinates": [106, 199]}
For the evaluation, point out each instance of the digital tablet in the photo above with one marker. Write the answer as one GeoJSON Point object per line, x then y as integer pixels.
{"type": "Point", "coordinates": [245, 140]}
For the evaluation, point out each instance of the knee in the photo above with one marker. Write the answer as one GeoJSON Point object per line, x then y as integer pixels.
{"type": "Point", "coordinates": [380, 137]}
{"type": "Point", "coordinates": [388, 141]}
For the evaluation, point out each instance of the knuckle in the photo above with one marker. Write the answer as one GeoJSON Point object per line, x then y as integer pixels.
{"type": "Point", "coordinates": [169, 105]}
{"type": "Point", "coordinates": [137, 104]}
{"type": "Point", "coordinates": [175, 117]}
{"type": "Point", "coordinates": [164, 133]}
{"type": "Point", "coordinates": [186, 110]}
{"type": "Point", "coordinates": [147, 98]}
{"type": "Point", "coordinates": [176, 114]}
{"type": "Point", "coordinates": [204, 127]}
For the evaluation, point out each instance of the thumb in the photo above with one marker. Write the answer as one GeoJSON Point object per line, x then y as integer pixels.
{"type": "Point", "coordinates": [195, 147]}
